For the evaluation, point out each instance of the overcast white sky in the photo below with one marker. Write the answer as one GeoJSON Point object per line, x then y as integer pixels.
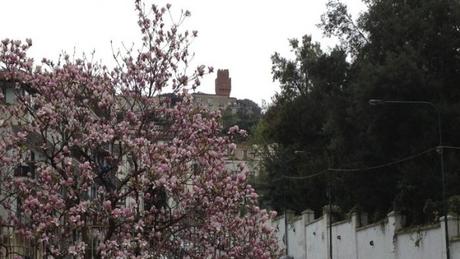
{"type": "Point", "coordinates": [240, 35]}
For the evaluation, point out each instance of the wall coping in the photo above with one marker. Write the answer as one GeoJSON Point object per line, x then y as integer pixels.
{"type": "Point", "coordinates": [295, 218]}
{"type": "Point", "coordinates": [375, 224]}
{"type": "Point", "coordinates": [278, 218]}
{"type": "Point", "coordinates": [290, 215]}
{"type": "Point", "coordinates": [314, 221]}
{"type": "Point", "coordinates": [449, 217]}
{"type": "Point", "coordinates": [345, 221]}
{"type": "Point", "coordinates": [455, 239]}
{"type": "Point", "coordinates": [408, 230]}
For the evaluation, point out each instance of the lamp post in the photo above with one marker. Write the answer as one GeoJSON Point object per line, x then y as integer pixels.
{"type": "Point", "coordinates": [329, 198]}
{"type": "Point", "coordinates": [439, 149]}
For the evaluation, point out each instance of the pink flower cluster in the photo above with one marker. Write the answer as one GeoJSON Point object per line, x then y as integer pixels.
{"type": "Point", "coordinates": [109, 158]}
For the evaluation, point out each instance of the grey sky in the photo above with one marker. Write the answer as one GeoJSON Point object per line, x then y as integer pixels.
{"type": "Point", "coordinates": [240, 35]}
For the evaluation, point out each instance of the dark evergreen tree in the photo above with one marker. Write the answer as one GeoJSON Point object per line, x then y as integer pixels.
{"type": "Point", "coordinates": [396, 50]}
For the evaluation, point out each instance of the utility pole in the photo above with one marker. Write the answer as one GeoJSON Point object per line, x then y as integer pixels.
{"type": "Point", "coordinates": [286, 230]}
{"type": "Point", "coordinates": [329, 197]}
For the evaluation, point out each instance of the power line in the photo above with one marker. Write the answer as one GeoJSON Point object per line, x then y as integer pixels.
{"type": "Point", "coordinates": [382, 165]}
{"type": "Point", "coordinates": [449, 147]}
{"type": "Point", "coordinates": [305, 177]}
{"type": "Point", "coordinates": [361, 168]}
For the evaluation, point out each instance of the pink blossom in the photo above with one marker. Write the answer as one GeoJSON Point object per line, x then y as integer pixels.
{"type": "Point", "coordinates": [117, 163]}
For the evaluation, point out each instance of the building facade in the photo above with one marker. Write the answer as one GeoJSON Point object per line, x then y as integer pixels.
{"type": "Point", "coordinates": [221, 99]}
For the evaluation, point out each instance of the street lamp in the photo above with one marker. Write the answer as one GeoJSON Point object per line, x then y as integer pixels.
{"type": "Point", "coordinates": [439, 149]}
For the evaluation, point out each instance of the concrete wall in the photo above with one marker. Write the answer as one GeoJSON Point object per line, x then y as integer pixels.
{"type": "Point", "coordinates": [455, 248]}
{"type": "Point", "coordinates": [309, 238]}
{"type": "Point", "coordinates": [373, 241]}
{"type": "Point", "coordinates": [421, 243]}
{"type": "Point", "coordinates": [344, 239]}
{"type": "Point", "coordinates": [316, 239]}
{"type": "Point", "coordinates": [297, 237]}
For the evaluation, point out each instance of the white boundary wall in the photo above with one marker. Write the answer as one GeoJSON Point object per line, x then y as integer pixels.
{"type": "Point", "coordinates": [309, 238]}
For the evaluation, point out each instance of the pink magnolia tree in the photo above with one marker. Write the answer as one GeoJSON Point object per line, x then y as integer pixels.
{"type": "Point", "coordinates": [95, 162]}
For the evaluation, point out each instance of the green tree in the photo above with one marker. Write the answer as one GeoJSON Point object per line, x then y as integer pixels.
{"type": "Point", "coordinates": [397, 49]}
{"type": "Point", "coordinates": [300, 121]}
{"type": "Point", "coordinates": [246, 114]}
{"type": "Point", "coordinates": [412, 54]}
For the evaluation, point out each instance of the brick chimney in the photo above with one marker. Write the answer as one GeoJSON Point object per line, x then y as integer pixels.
{"type": "Point", "coordinates": [223, 83]}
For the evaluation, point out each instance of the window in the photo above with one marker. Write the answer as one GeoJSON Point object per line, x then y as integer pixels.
{"type": "Point", "coordinates": [27, 169]}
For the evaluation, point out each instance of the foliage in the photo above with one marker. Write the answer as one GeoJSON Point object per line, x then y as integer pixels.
{"type": "Point", "coordinates": [245, 114]}
{"type": "Point", "coordinates": [396, 50]}
{"type": "Point", "coordinates": [91, 153]}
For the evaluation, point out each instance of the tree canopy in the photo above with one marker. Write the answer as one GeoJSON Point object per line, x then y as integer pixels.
{"type": "Point", "coordinates": [395, 50]}
{"type": "Point", "coordinates": [246, 114]}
